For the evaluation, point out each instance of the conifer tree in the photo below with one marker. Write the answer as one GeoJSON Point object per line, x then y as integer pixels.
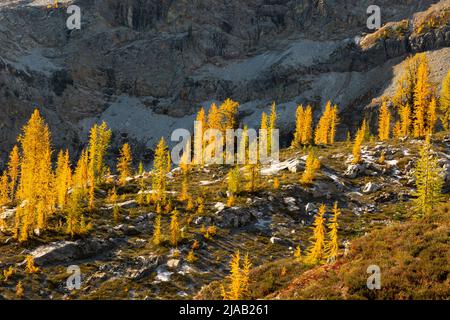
{"type": "Point", "coordinates": [272, 125]}
{"type": "Point", "coordinates": [214, 117]}
{"type": "Point", "coordinates": [74, 210]}
{"type": "Point", "coordinates": [264, 121]}
{"type": "Point", "coordinates": [445, 102]}
{"type": "Point", "coordinates": [30, 267]}
{"type": "Point", "coordinates": [63, 178]}
{"type": "Point", "coordinates": [384, 121]}
{"type": "Point", "coordinates": [422, 94]}
{"type": "Point", "coordinates": [35, 176]}
{"type": "Point", "coordinates": [81, 179]}
{"type": "Point", "coordinates": [157, 231]}
{"type": "Point", "coordinates": [431, 116]}
{"type": "Point", "coordinates": [332, 245]}
{"type": "Point", "coordinates": [174, 229]}
{"type": "Point", "coordinates": [299, 124]}
{"type": "Point", "coordinates": [405, 118]}
{"type": "Point", "coordinates": [404, 94]}
{"type": "Point", "coordinates": [239, 278]}
{"type": "Point", "coordinates": [161, 167]}
{"type": "Point", "coordinates": [315, 253]}
{"type": "Point", "coordinates": [429, 180]}
{"type": "Point", "coordinates": [99, 140]}
{"type": "Point", "coordinates": [322, 129]}
{"type": "Point", "coordinates": [185, 168]}
{"type": "Point", "coordinates": [4, 189]}
{"type": "Point", "coordinates": [234, 183]}
{"type": "Point", "coordinates": [13, 171]}
{"type": "Point", "coordinates": [124, 164]}
{"type": "Point", "coordinates": [228, 113]}
{"type": "Point", "coordinates": [334, 121]}
{"type": "Point", "coordinates": [359, 138]}
{"type": "Point", "coordinates": [307, 131]}
{"type": "Point", "coordinates": [311, 166]}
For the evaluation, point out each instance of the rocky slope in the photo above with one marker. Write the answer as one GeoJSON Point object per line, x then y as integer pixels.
{"type": "Point", "coordinates": [118, 259]}
{"type": "Point", "coordinates": [146, 66]}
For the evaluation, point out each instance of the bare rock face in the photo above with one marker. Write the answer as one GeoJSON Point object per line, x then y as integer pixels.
{"type": "Point", "coordinates": [145, 66]}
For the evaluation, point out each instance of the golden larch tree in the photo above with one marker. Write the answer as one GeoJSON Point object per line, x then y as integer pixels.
{"type": "Point", "coordinates": [332, 245]}
{"type": "Point", "coordinates": [161, 167]}
{"type": "Point", "coordinates": [36, 176]}
{"type": "Point", "coordinates": [157, 231]}
{"type": "Point", "coordinates": [429, 180]}
{"type": "Point", "coordinates": [422, 96]}
{"type": "Point", "coordinates": [63, 178]}
{"type": "Point", "coordinates": [316, 252]}
{"type": "Point", "coordinates": [124, 163]}
{"type": "Point", "coordinates": [432, 115]}
{"type": "Point", "coordinates": [384, 121]}
{"type": "Point", "coordinates": [359, 138]}
{"type": "Point", "coordinates": [445, 102]}
{"type": "Point", "coordinates": [299, 124]}
{"type": "Point", "coordinates": [13, 171]}
{"type": "Point", "coordinates": [174, 228]}
{"type": "Point", "coordinates": [272, 125]}
{"type": "Point", "coordinates": [311, 166]}
{"type": "Point", "coordinates": [239, 278]}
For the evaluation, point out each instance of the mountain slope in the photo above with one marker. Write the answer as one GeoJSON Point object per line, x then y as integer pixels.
{"type": "Point", "coordinates": [158, 61]}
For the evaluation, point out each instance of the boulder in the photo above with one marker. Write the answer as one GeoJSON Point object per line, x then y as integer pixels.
{"type": "Point", "coordinates": [370, 187]}
{"type": "Point", "coordinates": [235, 217]}
{"type": "Point", "coordinates": [355, 170]}
{"type": "Point", "coordinates": [68, 251]}
{"type": "Point", "coordinates": [143, 267]}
